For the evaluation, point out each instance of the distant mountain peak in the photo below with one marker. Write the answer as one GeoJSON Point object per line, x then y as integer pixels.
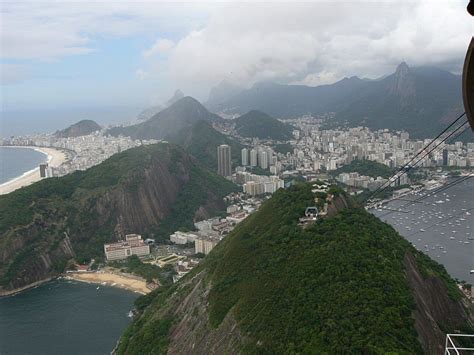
{"type": "Point", "coordinates": [402, 69]}
{"type": "Point", "coordinates": [178, 95]}
{"type": "Point", "coordinates": [403, 85]}
{"type": "Point", "coordinates": [222, 92]}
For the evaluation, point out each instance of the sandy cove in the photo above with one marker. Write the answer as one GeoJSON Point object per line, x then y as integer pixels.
{"type": "Point", "coordinates": [121, 280]}
{"type": "Point", "coordinates": [55, 159]}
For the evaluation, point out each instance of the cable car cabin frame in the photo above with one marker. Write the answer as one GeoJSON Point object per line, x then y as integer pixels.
{"type": "Point", "coordinates": [468, 84]}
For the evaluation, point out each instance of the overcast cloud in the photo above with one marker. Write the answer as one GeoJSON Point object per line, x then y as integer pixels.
{"type": "Point", "coordinates": [321, 42]}
{"type": "Point", "coordinates": [195, 46]}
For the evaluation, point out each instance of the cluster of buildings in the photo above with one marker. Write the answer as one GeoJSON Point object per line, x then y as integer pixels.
{"type": "Point", "coordinates": [262, 157]}
{"type": "Point", "coordinates": [83, 152]}
{"type": "Point", "coordinates": [211, 231]}
{"type": "Point", "coordinates": [255, 185]}
{"type": "Point", "coordinates": [319, 150]}
{"type": "Point", "coordinates": [361, 181]}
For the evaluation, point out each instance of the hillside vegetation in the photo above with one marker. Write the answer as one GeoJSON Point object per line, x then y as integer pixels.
{"type": "Point", "coordinates": [152, 190]}
{"type": "Point", "coordinates": [81, 128]}
{"type": "Point", "coordinates": [202, 141]}
{"type": "Point", "coordinates": [258, 124]}
{"type": "Point", "coordinates": [343, 285]}
{"type": "Point", "coordinates": [365, 167]}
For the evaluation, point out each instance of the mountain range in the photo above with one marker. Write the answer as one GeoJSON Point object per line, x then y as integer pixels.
{"type": "Point", "coordinates": [418, 100]}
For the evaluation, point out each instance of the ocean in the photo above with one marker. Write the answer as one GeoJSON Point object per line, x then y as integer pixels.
{"type": "Point", "coordinates": [64, 317]}
{"type": "Point", "coordinates": [441, 226]}
{"type": "Point", "coordinates": [14, 162]}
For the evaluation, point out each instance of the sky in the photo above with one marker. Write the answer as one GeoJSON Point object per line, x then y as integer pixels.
{"type": "Point", "coordinates": [60, 55]}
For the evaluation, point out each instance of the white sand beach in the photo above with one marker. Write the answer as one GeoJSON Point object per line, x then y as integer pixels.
{"type": "Point", "coordinates": [121, 280]}
{"type": "Point", "coordinates": [55, 159]}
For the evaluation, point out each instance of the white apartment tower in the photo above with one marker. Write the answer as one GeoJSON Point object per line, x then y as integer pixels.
{"type": "Point", "coordinates": [245, 157]}
{"type": "Point", "coordinates": [253, 157]}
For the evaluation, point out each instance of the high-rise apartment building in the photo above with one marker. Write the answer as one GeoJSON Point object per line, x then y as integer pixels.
{"type": "Point", "coordinates": [263, 160]}
{"type": "Point", "coordinates": [245, 157]}
{"type": "Point", "coordinates": [445, 157]}
{"type": "Point", "coordinates": [253, 157]}
{"type": "Point", "coordinates": [224, 163]}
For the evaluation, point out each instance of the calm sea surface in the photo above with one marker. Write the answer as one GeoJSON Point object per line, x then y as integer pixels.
{"type": "Point", "coordinates": [15, 162]}
{"type": "Point", "coordinates": [441, 226]}
{"type": "Point", "coordinates": [64, 317]}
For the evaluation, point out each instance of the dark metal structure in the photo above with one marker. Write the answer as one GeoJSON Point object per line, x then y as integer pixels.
{"type": "Point", "coordinates": [468, 76]}
{"type": "Point", "coordinates": [468, 84]}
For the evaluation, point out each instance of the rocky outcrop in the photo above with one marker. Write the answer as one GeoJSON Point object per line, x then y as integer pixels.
{"type": "Point", "coordinates": [193, 334]}
{"type": "Point", "coordinates": [435, 311]}
{"type": "Point", "coordinates": [403, 86]}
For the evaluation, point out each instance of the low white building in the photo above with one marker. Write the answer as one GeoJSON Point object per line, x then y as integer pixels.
{"type": "Point", "coordinates": [182, 237]}
{"type": "Point", "coordinates": [133, 245]}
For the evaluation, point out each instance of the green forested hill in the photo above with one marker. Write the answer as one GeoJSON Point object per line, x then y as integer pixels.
{"type": "Point", "coordinates": [347, 284]}
{"type": "Point", "coordinates": [152, 190]}
{"type": "Point", "coordinates": [202, 140]}
{"type": "Point", "coordinates": [365, 167]}
{"type": "Point", "coordinates": [258, 124]}
{"type": "Point", "coordinates": [182, 114]}
{"type": "Point", "coordinates": [81, 128]}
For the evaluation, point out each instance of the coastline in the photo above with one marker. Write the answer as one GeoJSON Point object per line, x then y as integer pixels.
{"type": "Point", "coordinates": [106, 278]}
{"type": "Point", "coordinates": [55, 158]}
{"type": "Point", "coordinates": [25, 288]}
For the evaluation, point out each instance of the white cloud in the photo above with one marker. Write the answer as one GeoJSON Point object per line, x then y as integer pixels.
{"type": "Point", "coordinates": [162, 45]}
{"type": "Point", "coordinates": [141, 74]}
{"type": "Point", "coordinates": [51, 30]}
{"type": "Point", "coordinates": [320, 42]}
{"type": "Point", "coordinates": [312, 42]}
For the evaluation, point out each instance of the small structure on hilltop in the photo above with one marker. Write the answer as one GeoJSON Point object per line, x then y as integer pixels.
{"type": "Point", "coordinates": [310, 216]}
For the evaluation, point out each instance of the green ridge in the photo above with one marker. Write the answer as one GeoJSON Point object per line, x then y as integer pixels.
{"type": "Point", "coordinates": [338, 286]}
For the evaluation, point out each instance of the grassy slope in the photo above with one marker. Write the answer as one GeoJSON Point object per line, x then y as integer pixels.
{"type": "Point", "coordinates": [338, 286]}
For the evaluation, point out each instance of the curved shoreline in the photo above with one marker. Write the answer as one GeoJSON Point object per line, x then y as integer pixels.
{"type": "Point", "coordinates": [55, 158]}
{"type": "Point", "coordinates": [105, 278]}
{"type": "Point", "coordinates": [16, 291]}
